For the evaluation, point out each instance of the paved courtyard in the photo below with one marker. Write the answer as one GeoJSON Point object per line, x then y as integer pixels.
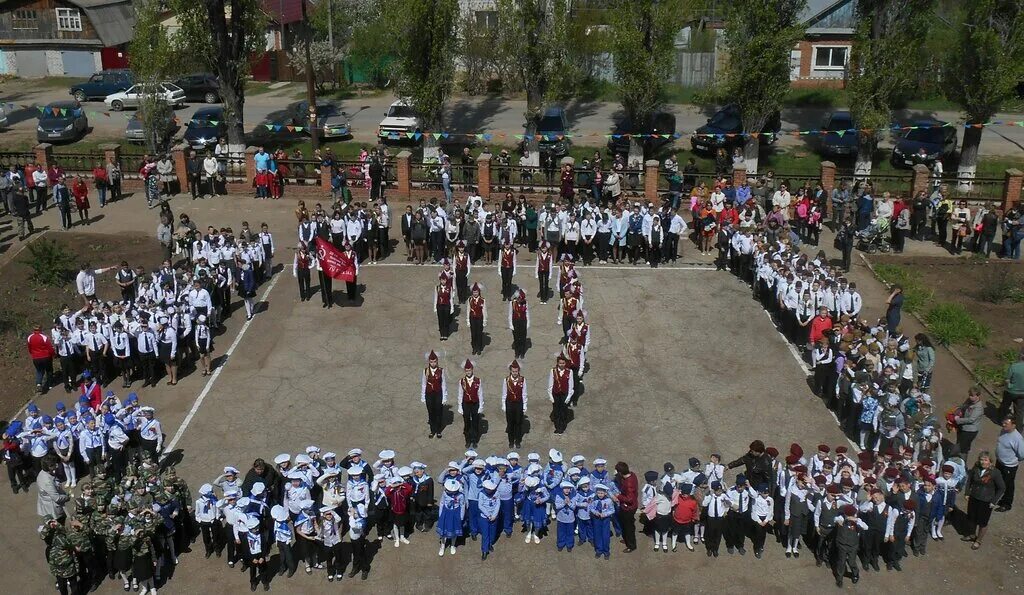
{"type": "Point", "coordinates": [682, 363]}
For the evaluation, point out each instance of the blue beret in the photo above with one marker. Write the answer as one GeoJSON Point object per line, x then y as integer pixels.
{"type": "Point", "coordinates": [741, 479]}
{"type": "Point", "coordinates": [109, 419]}
{"type": "Point", "coordinates": [47, 419]}
{"type": "Point", "coordinates": [32, 408]}
{"type": "Point", "coordinates": [716, 485]}
{"type": "Point", "coordinates": [694, 462]}
{"type": "Point", "coordinates": [651, 476]}
{"type": "Point", "coordinates": [60, 405]}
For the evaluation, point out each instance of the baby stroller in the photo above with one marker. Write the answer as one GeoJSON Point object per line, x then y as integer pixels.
{"type": "Point", "coordinates": [875, 237]}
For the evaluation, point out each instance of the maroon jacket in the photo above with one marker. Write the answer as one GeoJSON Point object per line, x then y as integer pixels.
{"type": "Point", "coordinates": [398, 498]}
{"type": "Point", "coordinates": [627, 492]}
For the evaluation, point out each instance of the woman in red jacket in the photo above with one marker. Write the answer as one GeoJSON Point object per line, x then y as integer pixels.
{"type": "Point", "coordinates": [99, 176]}
{"type": "Point", "coordinates": [685, 513]}
{"type": "Point", "coordinates": [627, 498]}
{"type": "Point", "coordinates": [398, 494]}
{"type": "Point", "coordinates": [80, 191]}
{"type": "Point", "coordinates": [40, 349]}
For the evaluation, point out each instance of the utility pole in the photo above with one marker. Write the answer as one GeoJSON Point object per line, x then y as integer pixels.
{"type": "Point", "coordinates": [310, 80]}
{"type": "Point", "coordinates": [330, 40]}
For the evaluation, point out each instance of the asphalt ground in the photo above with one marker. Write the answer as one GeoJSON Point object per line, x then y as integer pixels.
{"type": "Point", "coordinates": [682, 363]}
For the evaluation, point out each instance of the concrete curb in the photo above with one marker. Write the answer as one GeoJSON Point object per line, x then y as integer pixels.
{"type": "Point", "coordinates": [956, 355]}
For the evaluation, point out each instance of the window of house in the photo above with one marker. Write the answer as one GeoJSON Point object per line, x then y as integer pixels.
{"type": "Point", "coordinates": [24, 18]}
{"type": "Point", "coordinates": [487, 18]}
{"type": "Point", "coordinates": [69, 19]}
{"type": "Point", "coordinates": [830, 58]}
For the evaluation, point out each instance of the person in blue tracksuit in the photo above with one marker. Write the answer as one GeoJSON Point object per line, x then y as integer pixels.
{"type": "Point", "coordinates": [565, 515]}
{"type": "Point", "coordinates": [535, 499]}
{"type": "Point", "coordinates": [506, 493]}
{"type": "Point", "coordinates": [600, 475]}
{"type": "Point", "coordinates": [602, 510]}
{"type": "Point", "coordinates": [553, 475]}
{"type": "Point", "coordinates": [471, 487]}
{"type": "Point", "coordinates": [451, 516]}
{"type": "Point", "coordinates": [515, 474]}
{"type": "Point", "coordinates": [584, 496]}
{"type": "Point", "coordinates": [489, 508]}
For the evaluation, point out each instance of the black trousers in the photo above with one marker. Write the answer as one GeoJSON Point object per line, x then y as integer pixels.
{"type": "Point", "coordinates": [1009, 478]}
{"type": "Point", "coordinates": [736, 525]}
{"type": "Point", "coordinates": [476, 334]}
{"type": "Point", "coordinates": [326, 289]}
{"type": "Point", "coordinates": [713, 530]}
{"type": "Point", "coordinates": [360, 559]}
{"type": "Point", "coordinates": [627, 520]}
{"type": "Point", "coordinates": [288, 562]}
{"type": "Point", "coordinates": [462, 285]}
{"type": "Point", "coordinates": [352, 289]}
{"type": "Point", "coordinates": [69, 370]}
{"type": "Point", "coordinates": [506, 283]}
{"type": "Point", "coordinates": [514, 421]}
{"type": "Point", "coordinates": [545, 287]}
{"type": "Point", "coordinates": [964, 439]}
{"type": "Point", "coordinates": [68, 586]}
{"type": "Point", "coordinates": [444, 320]}
{"type": "Point", "coordinates": [560, 413]}
{"type": "Point", "coordinates": [211, 536]}
{"type": "Point", "coordinates": [193, 186]}
{"type": "Point", "coordinates": [304, 278]}
{"type": "Point", "coordinates": [148, 363]}
{"type": "Point", "coordinates": [758, 536]}
{"type": "Point", "coordinates": [435, 412]}
{"type": "Point", "coordinates": [844, 557]}
{"type": "Point", "coordinates": [471, 422]}
{"type": "Point", "coordinates": [65, 217]}
{"type": "Point", "coordinates": [519, 337]}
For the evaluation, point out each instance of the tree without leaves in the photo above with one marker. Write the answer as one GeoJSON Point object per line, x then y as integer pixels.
{"type": "Point", "coordinates": [759, 35]}
{"type": "Point", "coordinates": [886, 52]}
{"type": "Point", "coordinates": [223, 35]}
{"type": "Point", "coordinates": [985, 69]}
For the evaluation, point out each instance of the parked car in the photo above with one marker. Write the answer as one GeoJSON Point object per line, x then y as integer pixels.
{"type": "Point", "coordinates": [728, 120]}
{"type": "Point", "coordinates": [839, 135]}
{"type": "Point", "coordinates": [201, 86]}
{"type": "Point", "coordinates": [552, 125]}
{"type": "Point", "coordinates": [103, 83]}
{"type": "Point", "coordinates": [927, 141]}
{"type": "Point", "coordinates": [205, 127]}
{"type": "Point", "coordinates": [62, 121]}
{"type": "Point", "coordinates": [170, 93]}
{"type": "Point", "coordinates": [660, 123]}
{"type": "Point", "coordinates": [134, 132]}
{"type": "Point", "coordinates": [330, 120]}
{"type": "Point", "coordinates": [400, 119]}
{"type": "Point", "coordinates": [3, 117]}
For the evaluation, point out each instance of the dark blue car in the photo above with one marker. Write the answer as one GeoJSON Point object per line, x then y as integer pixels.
{"type": "Point", "coordinates": [838, 136]}
{"type": "Point", "coordinates": [205, 127]}
{"type": "Point", "coordinates": [925, 142]}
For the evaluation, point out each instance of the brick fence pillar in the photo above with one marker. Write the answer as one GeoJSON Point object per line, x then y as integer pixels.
{"type": "Point", "coordinates": [921, 179]}
{"type": "Point", "coordinates": [828, 176]}
{"type": "Point", "coordinates": [325, 177]}
{"type": "Point", "coordinates": [404, 174]}
{"type": "Point", "coordinates": [250, 167]}
{"type": "Point", "coordinates": [483, 175]}
{"type": "Point", "coordinates": [651, 180]}
{"type": "Point", "coordinates": [111, 153]}
{"type": "Point", "coordinates": [179, 153]}
{"type": "Point", "coordinates": [44, 154]}
{"type": "Point", "coordinates": [739, 175]}
{"type": "Point", "coordinates": [1012, 187]}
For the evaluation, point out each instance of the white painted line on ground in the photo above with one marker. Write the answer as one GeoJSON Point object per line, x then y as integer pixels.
{"type": "Point", "coordinates": [599, 267]}
{"type": "Point", "coordinates": [213, 377]}
{"type": "Point", "coordinates": [807, 370]}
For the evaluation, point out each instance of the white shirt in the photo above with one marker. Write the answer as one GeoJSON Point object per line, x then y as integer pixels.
{"type": "Point", "coordinates": [86, 281]}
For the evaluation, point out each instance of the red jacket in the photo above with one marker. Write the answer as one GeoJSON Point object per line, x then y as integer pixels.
{"type": "Point", "coordinates": [627, 493]}
{"type": "Point", "coordinates": [40, 346]}
{"type": "Point", "coordinates": [819, 327]}
{"type": "Point", "coordinates": [686, 511]}
{"type": "Point", "coordinates": [398, 498]}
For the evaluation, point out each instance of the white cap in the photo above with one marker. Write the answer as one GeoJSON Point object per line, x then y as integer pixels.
{"type": "Point", "coordinates": [355, 452]}
{"type": "Point", "coordinates": [279, 513]}
{"type": "Point", "coordinates": [202, 318]}
{"type": "Point", "coordinates": [471, 453]}
{"type": "Point", "coordinates": [555, 456]}
{"type": "Point", "coordinates": [491, 460]}
{"type": "Point", "coordinates": [303, 460]}
{"type": "Point", "coordinates": [601, 486]}
{"type": "Point", "coordinates": [489, 485]}
{"type": "Point", "coordinates": [583, 481]}
{"type": "Point", "coordinates": [454, 465]}
{"type": "Point", "coordinates": [252, 522]}
{"type": "Point", "coordinates": [312, 449]}
{"type": "Point", "coordinates": [512, 455]}
{"type": "Point", "coordinates": [450, 485]}
{"type": "Point", "coordinates": [393, 481]}
{"type": "Point", "coordinates": [533, 456]}
{"type": "Point", "coordinates": [418, 465]}
{"type": "Point", "coordinates": [324, 509]}
{"type": "Point", "coordinates": [566, 484]}
{"type": "Point", "coordinates": [479, 464]}
{"type": "Point", "coordinates": [230, 471]}
{"type": "Point", "coordinates": [356, 469]}
{"type": "Point", "coordinates": [330, 455]}
{"type": "Point", "coordinates": [206, 489]}
{"type": "Point", "coordinates": [532, 481]}
{"type": "Point", "coordinates": [533, 469]}
{"type": "Point", "coordinates": [244, 501]}
{"type": "Point", "coordinates": [572, 471]}
{"type": "Point", "coordinates": [405, 471]}
{"type": "Point", "coordinates": [600, 462]}
{"type": "Point", "coordinates": [501, 462]}
{"type": "Point", "coordinates": [386, 454]}
{"type": "Point", "coordinates": [578, 459]}
{"type": "Point", "coordinates": [282, 458]}
{"type": "Point", "coordinates": [258, 488]}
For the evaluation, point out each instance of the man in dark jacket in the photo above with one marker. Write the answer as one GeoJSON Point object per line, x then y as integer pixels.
{"type": "Point", "coordinates": [263, 473]}
{"type": "Point", "coordinates": [758, 464]}
{"type": "Point", "coordinates": [194, 171]}
{"type": "Point", "coordinates": [21, 212]}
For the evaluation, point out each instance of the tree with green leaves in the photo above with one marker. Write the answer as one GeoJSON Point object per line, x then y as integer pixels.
{"type": "Point", "coordinates": [883, 66]}
{"type": "Point", "coordinates": [371, 48]}
{"type": "Point", "coordinates": [759, 36]}
{"type": "Point", "coordinates": [643, 47]}
{"type": "Point", "coordinates": [985, 69]}
{"type": "Point", "coordinates": [222, 35]}
{"type": "Point", "coordinates": [153, 59]}
{"type": "Point", "coordinates": [424, 38]}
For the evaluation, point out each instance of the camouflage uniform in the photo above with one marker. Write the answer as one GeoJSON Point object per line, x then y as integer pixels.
{"type": "Point", "coordinates": [60, 557]}
{"type": "Point", "coordinates": [90, 570]}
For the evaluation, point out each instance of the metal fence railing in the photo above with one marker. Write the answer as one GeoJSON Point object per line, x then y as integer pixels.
{"type": "Point", "coordinates": [300, 171]}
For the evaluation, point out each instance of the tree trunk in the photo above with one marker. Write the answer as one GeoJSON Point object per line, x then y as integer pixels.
{"type": "Point", "coordinates": [534, 109]}
{"type": "Point", "coordinates": [431, 148]}
{"type": "Point", "coordinates": [233, 94]}
{"type": "Point", "coordinates": [751, 154]}
{"type": "Point", "coordinates": [968, 159]}
{"type": "Point", "coordinates": [635, 158]}
{"type": "Point", "coordinates": [865, 152]}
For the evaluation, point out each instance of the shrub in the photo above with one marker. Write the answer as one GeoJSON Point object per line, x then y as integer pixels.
{"type": "Point", "coordinates": [998, 284]}
{"type": "Point", "coordinates": [916, 297]}
{"type": "Point", "coordinates": [953, 325]}
{"type": "Point", "coordinates": [51, 263]}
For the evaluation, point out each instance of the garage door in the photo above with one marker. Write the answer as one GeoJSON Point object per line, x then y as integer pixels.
{"type": "Point", "coordinates": [78, 63]}
{"type": "Point", "coordinates": [31, 63]}
{"type": "Point", "coordinates": [3, 62]}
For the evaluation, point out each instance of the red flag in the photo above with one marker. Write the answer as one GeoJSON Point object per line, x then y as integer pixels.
{"type": "Point", "coordinates": [334, 262]}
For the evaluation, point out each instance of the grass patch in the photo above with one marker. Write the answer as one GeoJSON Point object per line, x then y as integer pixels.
{"type": "Point", "coordinates": [953, 325]}
{"type": "Point", "coordinates": [50, 261]}
{"type": "Point", "coordinates": [916, 297]}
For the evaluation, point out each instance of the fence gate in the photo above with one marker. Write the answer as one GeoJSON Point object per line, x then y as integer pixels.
{"type": "Point", "coordinates": [694, 69]}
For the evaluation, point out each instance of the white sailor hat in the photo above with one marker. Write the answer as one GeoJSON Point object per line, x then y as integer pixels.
{"type": "Point", "coordinates": [232, 493]}
{"type": "Point", "coordinates": [405, 471]}
{"type": "Point", "coordinates": [356, 468]}
{"type": "Point", "coordinates": [566, 484]}
{"type": "Point", "coordinates": [601, 487]}
{"type": "Point", "coordinates": [583, 481]}
{"type": "Point", "coordinates": [329, 474]}
{"type": "Point", "coordinates": [230, 470]}
{"type": "Point", "coordinates": [386, 454]}
{"type": "Point", "coordinates": [491, 461]}
{"type": "Point", "coordinates": [296, 475]}
{"type": "Point", "coordinates": [244, 501]}
{"type": "Point", "coordinates": [489, 485]}
{"type": "Point", "coordinates": [555, 456]}
{"type": "Point", "coordinates": [451, 485]}
{"type": "Point", "coordinates": [512, 455]}
{"type": "Point", "coordinates": [279, 513]}
{"type": "Point", "coordinates": [326, 509]}
{"type": "Point", "coordinates": [282, 458]}
{"type": "Point", "coordinates": [600, 462]}
{"type": "Point", "coordinates": [312, 449]}
{"type": "Point", "coordinates": [202, 318]}
{"type": "Point", "coordinates": [532, 481]}
{"type": "Point", "coordinates": [302, 460]}
{"type": "Point", "coordinates": [572, 471]}
{"type": "Point", "coordinates": [147, 409]}
{"type": "Point", "coordinates": [252, 522]}
{"type": "Point", "coordinates": [394, 480]}
{"type": "Point", "coordinates": [578, 459]}
{"type": "Point", "coordinates": [258, 488]}
{"type": "Point", "coordinates": [503, 462]}
{"type": "Point", "coordinates": [418, 465]}
{"type": "Point", "coordinates": [454, 465]}
{"type": "Point", "coordinates": [206, 489]}
{"type": "Point", "coordinates": [330, 455]}
{"type": "Point", "coordinates": [533, 456]}
{"type": "Point", "coordinates": [479, 464]}
{"type": "Point", "coordinates": [533, 469]}
{"type": "Point", "coordinates": [355, 452]}
{"type": "Point", "coordinates": [471, 453]}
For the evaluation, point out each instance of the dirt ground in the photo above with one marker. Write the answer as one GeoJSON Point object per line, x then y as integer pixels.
{"type": "Point", "coordinates": [963, 281]}
{"type": "Point", "coordinates": [683, 363]}
{"type": "Point", "coordinates": [23, 304]}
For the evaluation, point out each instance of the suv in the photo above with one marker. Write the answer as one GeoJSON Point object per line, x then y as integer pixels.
{"type": "Point", "coordinates": [202, 86]}
{"type": "Point", "coordinates": [400, 119]}
{"type": "Point", "coordinates": [103, 83]}
{"type": "Point", "coordinates": [726, 121]}
{"type": "Point", "coordinates": [661, 123]}
{"type": "Point", "coordinates": [926, 141]}
{"type": "Point", "coordinates": [552, 125]}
